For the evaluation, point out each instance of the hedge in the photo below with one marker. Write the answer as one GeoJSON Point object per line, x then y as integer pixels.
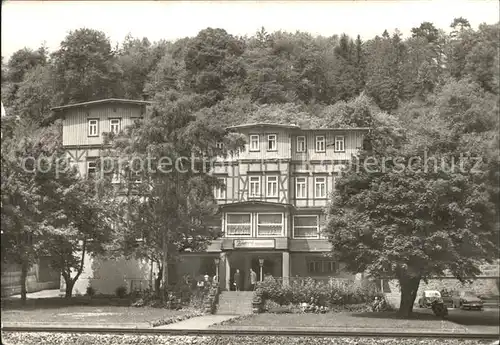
{"type": "Point", "coordinates": [328, 294]}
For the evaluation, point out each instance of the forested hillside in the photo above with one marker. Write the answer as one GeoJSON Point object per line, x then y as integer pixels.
{"type": "Point", "coordinates": [278, 77]}
{"type": "Point", "coordinates": [433, 93]}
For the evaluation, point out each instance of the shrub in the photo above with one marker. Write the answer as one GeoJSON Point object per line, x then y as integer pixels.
{"type": "Point", "coordinates": [121, 291]}
{"type": "Point", "coordinates": [90, 291]}
{"type": "Point", "coordinates": [336, 292]}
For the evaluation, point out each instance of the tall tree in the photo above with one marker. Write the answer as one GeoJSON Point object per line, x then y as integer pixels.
{"type": "Point", "coordinates": [136, 59]}
{"type": "Point", "coordinates": [20, 216]}
{"type": "Point", "coordinates": [415, 205]}
{"type": "Point", "coordinates": [173, 203]}
{"type": "Point", "coordinates": [36, 95]}
{"type": "Point", "coordinates": [47, 209]}
{"type": "Point", "coordinates": [85, 67]}
{"type": "Point", "coordinates": [24, 60]}
{"type": "Point", "coordinates": [78, 222]}
{"type": "Point", "coordinates": [426, 30]}
{"type": "Point", "coordinates": [384, 79]}
{"type": "Point", "coordinates": [458, 25]}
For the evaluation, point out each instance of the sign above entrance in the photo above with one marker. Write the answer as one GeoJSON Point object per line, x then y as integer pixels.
{"type": "Point", "coordinates": [254, 244]}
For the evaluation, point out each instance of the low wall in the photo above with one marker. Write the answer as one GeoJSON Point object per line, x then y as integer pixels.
{"type": "Point", "coordinates": [11, 280]}
{"type": "Point", "coordinates": [105, 275]}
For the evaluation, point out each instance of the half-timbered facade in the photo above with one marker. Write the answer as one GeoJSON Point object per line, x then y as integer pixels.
{"type": "Point", "coordinates": [272, 203]}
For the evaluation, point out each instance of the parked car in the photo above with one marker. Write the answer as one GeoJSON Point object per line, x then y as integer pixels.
{"type": "Point", "coordinates": [447, 297]}
{"type": "Point", "coordinates": [467, 300]}
{"type": "Point", "coordinates": [427, 297]}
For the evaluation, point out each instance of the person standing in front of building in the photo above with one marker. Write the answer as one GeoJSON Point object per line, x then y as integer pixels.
{"type": "Point", "coordinates": [253, 279]}
{"type": "Point", "coordinates": [237, 280]}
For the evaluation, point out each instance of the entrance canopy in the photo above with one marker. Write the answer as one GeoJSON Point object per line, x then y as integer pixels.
{"type": "Point", "coordinates": [255, 203]}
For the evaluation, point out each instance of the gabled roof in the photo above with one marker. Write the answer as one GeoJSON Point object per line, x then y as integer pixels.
{"type": "Point", "coordinates": [293, 126]}
{"type": "Point", "coordinates": [261, 124]}
{"type": "Point", "coordinates": [102, 101]}
{"type": "Point", "coordinates": [338, 129]}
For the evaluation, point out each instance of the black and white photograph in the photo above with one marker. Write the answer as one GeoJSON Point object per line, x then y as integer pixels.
{"type": "Point", "coordinates": [250, 172]}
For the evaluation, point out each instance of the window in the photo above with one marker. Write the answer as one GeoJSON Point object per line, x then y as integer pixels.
{"type": "Point", "coordinates": [93, 128]}
{"type": "Point", "coordinates": [238, 224]}
{"type": "Point", "coordinates": [91, 168]}
{"type": "Point", "coordinates": [301, 144]}
{"type": "Point", "coordinates": [114, 125]}
{"type": "Point", "coordinates": [270, 224]}
{"type": "Point", "coordinates": [271, 142]}
{"type": "Point", "coordinates": [220, 192]}
{"type": "Point", "coordinates": [320, 143]}
{"type": "Point", "coordinates": [320, 187]}
{"type": "Point", "coordinates": [329, 266]}
{"type": "Point", "coordinates": [219, 145]}
{"type": "Point", "coordinates": [300, 187]}
{"type": "Point", "coordinates": [339, 143]}
{"type": "Point", "coordinates": [305, 226]}
{"type": "Point", "coordinates": [314, 267]}
{"type": "Point", "coordinates": [254, 142]}
{"type": "Point", "coordinates": [254, 186]}
{"type": "Point", "coordinates": [272, 186]}
{"type": "Point", "coordinates": [321, 266]}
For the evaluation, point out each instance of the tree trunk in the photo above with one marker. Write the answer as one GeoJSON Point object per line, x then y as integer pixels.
{"type": "Point", "coordinates": [24, 276]}
{"type": "Point", "coordinates": [409, 288]}
{"type": "Point", "coordinates": [70, 283]}
{"type": "Point", "coordinates": [158, 280]}
{"type": "Point", "coordinates": [165, 262]}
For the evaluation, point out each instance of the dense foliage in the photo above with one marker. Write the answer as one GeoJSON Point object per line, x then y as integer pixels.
{"type": "Point", "coordinates": [289, 70]}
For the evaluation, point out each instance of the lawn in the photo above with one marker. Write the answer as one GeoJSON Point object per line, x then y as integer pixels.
{"type": "Point", "coordinates": [388, 321]}
{"type": "Point", "coordinates": [80, 312]}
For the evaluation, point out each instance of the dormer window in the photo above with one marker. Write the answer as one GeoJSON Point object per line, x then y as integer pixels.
{"type": "Point", "coordinates": [271, 142]}
{"type": "Point", "coordinates": [219, 145]}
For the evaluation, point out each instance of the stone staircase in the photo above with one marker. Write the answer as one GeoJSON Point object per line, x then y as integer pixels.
{"type": "Point", "coordinates": [235, 303]}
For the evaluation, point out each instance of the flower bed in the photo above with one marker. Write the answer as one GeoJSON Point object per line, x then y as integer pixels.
{"type": "Point", "coordinates": [177, 318]}
{"type": "Point", "coordinates": [313, 296]}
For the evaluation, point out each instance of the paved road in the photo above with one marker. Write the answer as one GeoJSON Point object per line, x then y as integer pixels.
{"type": "Point", "coordinates": [475, 321]}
